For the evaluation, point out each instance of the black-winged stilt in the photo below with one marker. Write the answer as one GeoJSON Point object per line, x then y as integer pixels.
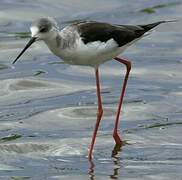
{"type": "Point", "coordinates": [90, 43]}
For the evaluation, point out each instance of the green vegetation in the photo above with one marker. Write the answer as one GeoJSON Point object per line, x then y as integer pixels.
{"type": "Point", "coordinates": [157, 125]}
{"type": "Point", "coordinates": [2, 66]}
{"type": "Point", "coordinates": [57, 62]}
{"type": "Point", "coordinates": [152, 9]}
{"type": "Point", "coordinates": [20, 178]}
{"type": "Point", "coordinates": [10, 137]}
{"type": "Point", "coordinates": [22, 34]}
{"type": "Point", "coordinates": [37, 73]}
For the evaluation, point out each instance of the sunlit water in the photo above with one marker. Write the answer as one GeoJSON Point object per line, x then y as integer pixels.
{"type": "Point", "coordinates": [47, 109]}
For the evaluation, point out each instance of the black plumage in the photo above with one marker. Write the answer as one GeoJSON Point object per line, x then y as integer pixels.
{"type": "Point", "coordinates": [122, 34]}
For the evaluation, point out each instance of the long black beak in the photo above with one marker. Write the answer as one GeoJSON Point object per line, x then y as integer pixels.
{"type": "Point", "coordinates": [32, 40]}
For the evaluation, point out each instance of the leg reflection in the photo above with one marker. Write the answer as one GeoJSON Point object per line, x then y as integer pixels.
{"type": "Point", "coordinates": [116, 160]}
{"type": "Point", "coordinates": [116, 168]}
{"type": "Point", "coordinates": [91, 170]}
{"type": "Point", "coordinates": [116, 163]}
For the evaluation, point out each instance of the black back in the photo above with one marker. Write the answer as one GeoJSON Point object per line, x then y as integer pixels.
{"type": "Point", "coordinates": [123, 34]}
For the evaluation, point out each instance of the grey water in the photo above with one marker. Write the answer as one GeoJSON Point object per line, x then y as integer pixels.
{"type": "Point", "coordinates": [48, 108]}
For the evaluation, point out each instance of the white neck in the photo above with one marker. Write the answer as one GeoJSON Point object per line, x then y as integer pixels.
{"type": "Point", "coordinates": [53, 41]}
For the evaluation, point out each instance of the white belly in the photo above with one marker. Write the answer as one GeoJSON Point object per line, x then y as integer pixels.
{"type": "Point", "coordinates": [90, 54]}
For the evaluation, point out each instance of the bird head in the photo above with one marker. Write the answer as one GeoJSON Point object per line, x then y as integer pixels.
{"type": "Point", "coordinates": [41, 29]}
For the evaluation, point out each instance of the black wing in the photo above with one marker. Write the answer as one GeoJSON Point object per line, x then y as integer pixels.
{"type": "Point", "coordinates": [96, 31]}
{"type": "Point", "coordinates": [91, 31]}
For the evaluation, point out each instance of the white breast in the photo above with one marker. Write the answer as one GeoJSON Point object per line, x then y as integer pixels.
{"type": "Point", "coordinates": [72, 49]}
{"type": "Point", "coordinates": [92, 54]}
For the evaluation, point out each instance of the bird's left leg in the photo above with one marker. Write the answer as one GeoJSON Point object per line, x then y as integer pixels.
{"type": "Point", "coordinates": [99, 114]}
{"type": "Point", "coordinates": [127, 63]}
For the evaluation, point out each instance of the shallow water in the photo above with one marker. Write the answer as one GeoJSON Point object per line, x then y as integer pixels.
{"type": "Point", "coordinates": [47, 108]}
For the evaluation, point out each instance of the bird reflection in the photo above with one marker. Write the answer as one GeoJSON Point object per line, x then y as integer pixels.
{"type": "Point", "coordinates": [116, 160]}
{"type": "Point", "coordinates": [116, 164]}
{"type": "Point", "coordinates": [116, 168]}
{"type": "Point", "coordinates": [91, 170]}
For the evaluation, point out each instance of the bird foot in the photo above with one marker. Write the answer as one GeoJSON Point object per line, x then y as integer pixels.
{"type": "Point", "coordinates": [117, 148]}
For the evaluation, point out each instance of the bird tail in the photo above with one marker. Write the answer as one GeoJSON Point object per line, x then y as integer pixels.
{"type": "Point", "coordinates": [148, 27]}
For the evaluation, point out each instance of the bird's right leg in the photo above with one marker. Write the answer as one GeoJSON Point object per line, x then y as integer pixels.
{"type": "Point", "coordinates": [99, 114]}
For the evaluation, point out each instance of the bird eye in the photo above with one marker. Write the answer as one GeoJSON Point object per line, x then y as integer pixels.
{"type": "Point", "coordinates": [43, 30]}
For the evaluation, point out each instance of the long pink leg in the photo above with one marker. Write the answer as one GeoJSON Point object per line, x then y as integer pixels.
{"type": "Point", "coordinates": [99, 114]}
{"type": "Point", "coordinates": [128, 68]}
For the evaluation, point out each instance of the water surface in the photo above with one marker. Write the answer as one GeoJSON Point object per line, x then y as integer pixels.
{"type": "Point", "coordinates": [47, 108]}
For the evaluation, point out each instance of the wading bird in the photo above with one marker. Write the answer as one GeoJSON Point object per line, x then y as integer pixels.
{"type": "Point", "coordinates": [90, 43]}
